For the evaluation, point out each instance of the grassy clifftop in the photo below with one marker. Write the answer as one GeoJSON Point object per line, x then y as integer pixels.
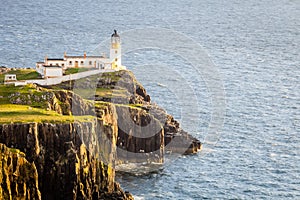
{"type": "Point", "coordinates": [22, 74]}
{"type": "Point", "coordinates": [32, 103]}
{"type": "Point", "coordinates": [21, 104]}
{"type": "Point", "coordinates": [10, 113]}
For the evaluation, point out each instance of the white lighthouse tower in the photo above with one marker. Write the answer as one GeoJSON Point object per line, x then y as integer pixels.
{"type": "Point", "coordinates": [115, 51]}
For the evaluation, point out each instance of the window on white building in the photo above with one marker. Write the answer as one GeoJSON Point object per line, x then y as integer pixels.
{"type": "Point", "coordinates": [81, 62]}
{"type": "Point", "coordinates": [70, 62]}
{"type": "Point", "coordinates": [90, 63]}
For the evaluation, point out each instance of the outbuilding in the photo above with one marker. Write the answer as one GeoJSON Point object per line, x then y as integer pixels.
{"type": "Point", "coordinates": [10, 78]}
{"type": "Point", "coordinates": [51, 71]}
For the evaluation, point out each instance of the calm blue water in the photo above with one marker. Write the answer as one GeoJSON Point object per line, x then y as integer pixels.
{"type": "Point", "coordinates": [255, 47]}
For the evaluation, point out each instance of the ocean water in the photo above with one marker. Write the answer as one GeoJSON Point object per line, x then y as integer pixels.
{"type": "Point", "coordinates": [254, 46]}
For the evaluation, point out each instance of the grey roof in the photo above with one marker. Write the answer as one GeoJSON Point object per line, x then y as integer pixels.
{"type": "Point", "coordinates": [53, 66]}
{"type": "Point", "coordinates": [58, 59]}
{"type": "Point", "coordinates": [83, 56]}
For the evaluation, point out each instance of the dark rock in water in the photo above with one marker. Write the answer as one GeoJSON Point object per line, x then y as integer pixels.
{"type": "Point", "coordinates": [182, 142]}
{"type": "Point", "coordinates": [176, 140]}
{"type": "Point", "coordinates": [18, 177]}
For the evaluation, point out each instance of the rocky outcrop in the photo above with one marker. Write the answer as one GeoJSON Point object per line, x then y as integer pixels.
{"type": "Point", "coordinates": [140, 136]}
{"type": "Point", "coordinates": [61, 101]}
{"type": "Point", "coordinates": [69, 103]}
{"type": "Point", "coordinates": [137, 105]}
{"type": "Point", "coordinates": [176, 140]}
{"type": "Point", "coordinates": [18, 177]}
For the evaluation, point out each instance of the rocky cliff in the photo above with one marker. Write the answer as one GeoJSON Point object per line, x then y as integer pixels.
{"type": "Point", "coordinates": [135, 109]}
{"type": "Point", "coordinates": [75, 158]}
{"type": "Point", "coordinates": [73, 161]}
{"type": "Point", "coordinates": [140, 136]}
{"type": "Point", "coordinates": [18, 177]}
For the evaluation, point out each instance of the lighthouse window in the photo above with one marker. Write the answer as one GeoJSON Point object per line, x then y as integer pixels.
{"type": "Point", "coordinates": [116, 59]}
{"type": "Point", "coordinates": [116, 51]}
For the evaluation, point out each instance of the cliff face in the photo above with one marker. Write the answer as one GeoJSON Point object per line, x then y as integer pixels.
{"type": "Point", "coordinates": [73, 161]}
{"type": "Point", "coordinates": [18, 177]}
{"type": "Point", "coordinates": [140, 136]}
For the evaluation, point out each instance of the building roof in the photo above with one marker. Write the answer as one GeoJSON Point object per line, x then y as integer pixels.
{"type": "Point", "coordinates": [51, 66]}
{"type": "Point", "coordinates": [95, 56]}
{"type": "Point", "coordinates": [85, 57]}
{"type": "Point", "coordinates": [58, 59]}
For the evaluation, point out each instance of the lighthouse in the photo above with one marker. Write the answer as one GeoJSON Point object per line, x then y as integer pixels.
{"type": "Point", "coordinates": [115, 51]}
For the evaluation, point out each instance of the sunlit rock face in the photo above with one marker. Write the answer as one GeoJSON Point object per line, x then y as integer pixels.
{"type": "Point", "coordinates": [18, 177]}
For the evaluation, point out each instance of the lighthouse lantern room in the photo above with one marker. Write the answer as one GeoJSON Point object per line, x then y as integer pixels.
{"type": "Point", "coordinates": [115, 50]}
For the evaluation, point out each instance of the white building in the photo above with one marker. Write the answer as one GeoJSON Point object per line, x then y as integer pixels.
{"type": "Point", "coordinates": [53, 67]}
{"type": "Point", "coordinates": [10, 78]}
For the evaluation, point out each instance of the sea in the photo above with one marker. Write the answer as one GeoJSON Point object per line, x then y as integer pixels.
{"type": "Point", "coordinates": [228, 71]}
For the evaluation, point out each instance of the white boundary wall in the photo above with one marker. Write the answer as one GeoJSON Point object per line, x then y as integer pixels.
{"type": "Point", "coordinates": [58, 80]}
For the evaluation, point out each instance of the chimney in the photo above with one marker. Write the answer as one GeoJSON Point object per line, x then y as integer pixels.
{"type": "Point", "coordinates": [46, 60]}
{"type": "Point", "coordinates": [65, 54]}
{"type": "Point", "coordinates": [84, 55]}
